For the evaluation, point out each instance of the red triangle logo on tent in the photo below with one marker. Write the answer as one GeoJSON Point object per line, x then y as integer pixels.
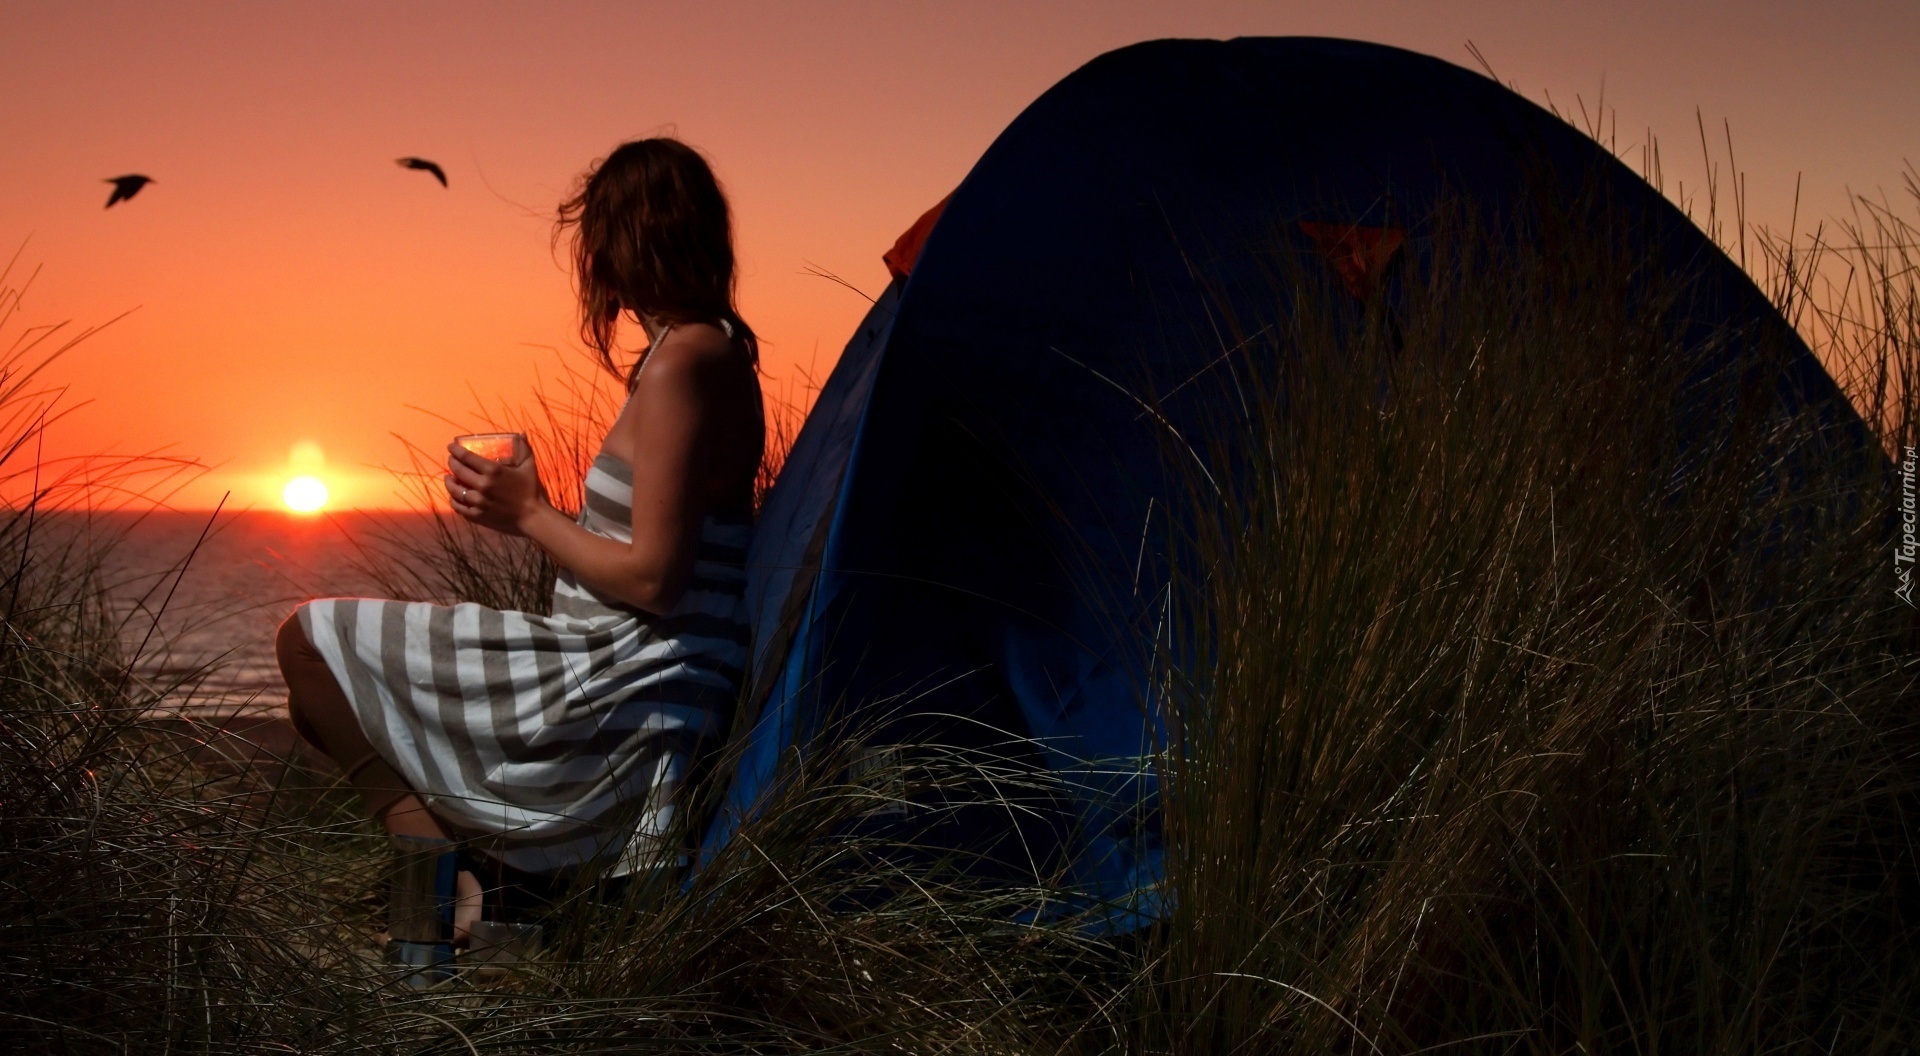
{"type": "Point", "coordinates": [1359, 254]}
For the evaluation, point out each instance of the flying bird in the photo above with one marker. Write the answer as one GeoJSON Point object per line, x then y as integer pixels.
{"type": "Point", "coordinates": [125, 187]}
{"type": "Point", "coordinates": [423, 165]}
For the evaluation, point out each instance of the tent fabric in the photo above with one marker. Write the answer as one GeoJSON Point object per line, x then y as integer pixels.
{"type": "Point", "coordinates": [965, 546]}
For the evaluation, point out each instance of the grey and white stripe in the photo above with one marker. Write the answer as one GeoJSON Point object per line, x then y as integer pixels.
{"type": "Point", "coordinates": [554, 740]}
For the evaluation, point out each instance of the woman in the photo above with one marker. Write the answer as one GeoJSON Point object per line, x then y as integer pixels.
{"type": "Point", "coordinates": [556, 741]}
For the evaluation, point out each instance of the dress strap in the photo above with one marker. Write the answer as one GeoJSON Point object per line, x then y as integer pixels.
{"type": "Point", "coordinates": [652, 343]}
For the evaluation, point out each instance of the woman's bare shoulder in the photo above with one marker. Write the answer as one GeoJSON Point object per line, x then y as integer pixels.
{"type": "Point", "coordinates": [692, 356]}
{"type": "Point", "coordinates": [693, 343]}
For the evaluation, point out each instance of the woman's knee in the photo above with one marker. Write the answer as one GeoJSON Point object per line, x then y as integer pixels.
{"type": "Point", "coordinates": [300, 664]}
{"type": "Point", "coordinates": [290, 643]}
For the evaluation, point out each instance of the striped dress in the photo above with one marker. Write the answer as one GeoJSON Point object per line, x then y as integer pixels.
{"type": "Point", "coordinates": [552, 740]}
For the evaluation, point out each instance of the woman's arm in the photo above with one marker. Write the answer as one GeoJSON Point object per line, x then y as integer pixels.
{"type": "Point", "coordinates": [668, 423]}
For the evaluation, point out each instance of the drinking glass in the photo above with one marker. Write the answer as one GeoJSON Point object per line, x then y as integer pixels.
{"type": "Point", "coordinates": [504, 448]}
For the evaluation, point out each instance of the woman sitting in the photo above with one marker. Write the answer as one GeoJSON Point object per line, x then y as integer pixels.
{"type": "Point", "coordinates": [551, 742]}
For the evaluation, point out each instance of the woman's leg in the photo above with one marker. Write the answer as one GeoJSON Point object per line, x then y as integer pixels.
{"type": "Point", "coordinates": [324, 718]}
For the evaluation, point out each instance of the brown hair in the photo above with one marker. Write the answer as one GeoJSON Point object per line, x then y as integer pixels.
{"type": "Point", "coordinates": [652, 235]}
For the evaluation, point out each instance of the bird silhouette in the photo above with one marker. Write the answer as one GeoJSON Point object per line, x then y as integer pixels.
{"type": "Point", "coordinates": [423, 165]}
{"type": "Point", "coordinates": [125, 187]}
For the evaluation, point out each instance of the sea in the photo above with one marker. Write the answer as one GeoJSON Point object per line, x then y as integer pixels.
{"type": "Point", "coordinates": [197, 596]}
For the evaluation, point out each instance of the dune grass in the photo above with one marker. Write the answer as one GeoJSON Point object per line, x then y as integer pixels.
{"type": "Point", "coordinates": [1532, 717]}
{"type": "Point", "coordinates": [1508, 732]}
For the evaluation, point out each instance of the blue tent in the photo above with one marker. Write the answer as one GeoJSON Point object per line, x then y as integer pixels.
{"type": "Point", "coordinates": [960, 548]}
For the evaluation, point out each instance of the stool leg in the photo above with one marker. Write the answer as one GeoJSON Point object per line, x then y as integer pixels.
{"type": "Point", "coordinates": [420, 909]}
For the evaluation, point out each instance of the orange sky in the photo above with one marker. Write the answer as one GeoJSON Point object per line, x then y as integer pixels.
{"type": "Point", "coordinates": [294, 287]}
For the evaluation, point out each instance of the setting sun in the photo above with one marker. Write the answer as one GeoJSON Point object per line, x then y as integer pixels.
{"type": "Point", "coordinates": [305, 494]}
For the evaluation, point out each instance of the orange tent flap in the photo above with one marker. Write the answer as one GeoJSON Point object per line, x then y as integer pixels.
{"type": "Point", "coordinates": [906, 248]}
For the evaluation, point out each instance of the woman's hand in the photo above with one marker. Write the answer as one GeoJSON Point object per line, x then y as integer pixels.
{"type": "Point", "coordinates": [498, 495]}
